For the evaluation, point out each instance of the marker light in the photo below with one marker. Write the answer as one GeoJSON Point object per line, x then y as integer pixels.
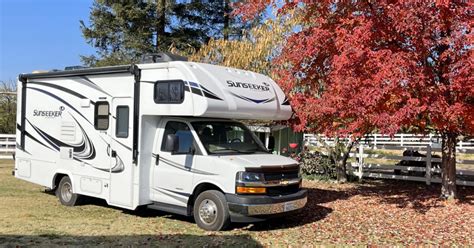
{"type": "Point", "coordinates": [250, 190]}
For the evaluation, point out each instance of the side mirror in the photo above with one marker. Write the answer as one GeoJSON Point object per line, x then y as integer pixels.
{"type": "Point", "coordinates": [271, 143]}
{"type": "Point", "coordinates": [172, 143]}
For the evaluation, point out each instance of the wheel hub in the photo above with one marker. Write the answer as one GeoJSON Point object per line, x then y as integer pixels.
{"type": "Point", "coordinates": [66, 191]}
{"type": "Point", "coordinates": [208, 211]}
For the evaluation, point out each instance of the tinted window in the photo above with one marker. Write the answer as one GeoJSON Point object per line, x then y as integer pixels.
{"type": "Point", "coordinates": [185, 137]}
{"type": "Point", "coordinates": [169, 92]}
{"type": "Point", "coordinates": [101, 116]}
{"type": "Point", "coordinates": [121, 129]}
{"type": "Point", "coordinates": [219, 137]}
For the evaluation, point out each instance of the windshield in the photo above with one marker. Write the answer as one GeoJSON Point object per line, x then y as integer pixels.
{"type": "Point", "coordinates": [227, 137]}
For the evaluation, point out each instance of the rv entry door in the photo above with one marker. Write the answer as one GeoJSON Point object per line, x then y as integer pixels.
{"type": "Point", "coordinates": [120, 152]}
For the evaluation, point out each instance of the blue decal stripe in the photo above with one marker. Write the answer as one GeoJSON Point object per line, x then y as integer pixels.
{"type": "Point", "coordinates": [198, 89]}
{"type": "Point", "coordinates": [257, 101]}
{"type": "Point", "coordinates": [270, 100]}
{"type": "Point", "coordinates": [209, 93]}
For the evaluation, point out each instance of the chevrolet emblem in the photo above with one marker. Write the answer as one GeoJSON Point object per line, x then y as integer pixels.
{"type": "Point", "coordinates": [285, 182]}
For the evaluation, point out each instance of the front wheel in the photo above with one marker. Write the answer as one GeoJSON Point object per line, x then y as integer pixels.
{"type": "Point", "coordinates": [211, 211]}
{"type": "Point", "coordinates": [65, 193]}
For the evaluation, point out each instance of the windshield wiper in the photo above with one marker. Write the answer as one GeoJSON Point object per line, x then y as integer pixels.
{"type": "Point", "coordinates": [256, 149]}
{"type": "Point", "coordinates": [231, 149]}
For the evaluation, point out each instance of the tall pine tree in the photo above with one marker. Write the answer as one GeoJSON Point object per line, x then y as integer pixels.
{"type": "Point", "coordinates": [122, 31]}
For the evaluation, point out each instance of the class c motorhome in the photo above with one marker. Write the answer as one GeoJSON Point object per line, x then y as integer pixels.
{"type": "Point", "coordinates": [160, 135]}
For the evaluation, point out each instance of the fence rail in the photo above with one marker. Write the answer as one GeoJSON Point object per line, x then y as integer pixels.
{"type": "Point", "coordinates": [382, 141]}
{"type": "Point", "coordinates": [428, 170]}
{"type": "Point", "coordinates": [7, 146]}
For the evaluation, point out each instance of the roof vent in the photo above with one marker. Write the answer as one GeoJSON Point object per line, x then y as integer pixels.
{"type": "Point", "coordinates": [74, 67]}
{"type": "Point", "coordinates": [161, 57]}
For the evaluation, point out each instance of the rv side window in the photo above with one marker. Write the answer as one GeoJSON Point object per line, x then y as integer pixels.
{"type": "Point", "coordinates": [185, 137]}
{"type": "Point", "coordinates": [170, 91]}
{"type": "Point", "coordinates": [121, 129]}
{"type": "Point", "coordinates": [101, 116]}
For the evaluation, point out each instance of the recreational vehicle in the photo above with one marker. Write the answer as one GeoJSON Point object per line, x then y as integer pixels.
{"type": "Point", "coordinates": [162, 135]}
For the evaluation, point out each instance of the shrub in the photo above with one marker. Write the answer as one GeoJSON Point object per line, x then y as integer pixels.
{"type": "Point", "coordinates": [316, 163]}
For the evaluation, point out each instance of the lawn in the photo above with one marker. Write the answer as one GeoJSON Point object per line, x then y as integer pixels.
{"type": "Point", "coordinates": [371, 213]}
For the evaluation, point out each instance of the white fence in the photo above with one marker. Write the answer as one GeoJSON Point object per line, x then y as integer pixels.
{"type": "Point", "coordinates": [7, 146]}
{"type": "Point", "coordinates": [427, 173]}
{"type": "Point", "coordinates": [404, 140]}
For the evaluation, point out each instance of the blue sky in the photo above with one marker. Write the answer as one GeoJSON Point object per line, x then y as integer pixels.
{"type": "Point", "coordinates": [41, 35]}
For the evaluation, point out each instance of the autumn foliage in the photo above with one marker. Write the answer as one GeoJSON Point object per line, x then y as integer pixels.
{"type": "Point", "coordinates": [353, 67]}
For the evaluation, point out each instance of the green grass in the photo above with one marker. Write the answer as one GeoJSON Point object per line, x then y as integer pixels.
{"type": "Point", "coordinates": [30, 216]}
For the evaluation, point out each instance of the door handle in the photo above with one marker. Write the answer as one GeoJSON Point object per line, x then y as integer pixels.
{"type": "Point", "coordinates": [113, 154]}
{"type": "Point", "coordinates": [157, 158]}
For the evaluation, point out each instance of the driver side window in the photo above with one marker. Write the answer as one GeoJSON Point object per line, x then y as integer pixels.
{"type": "Point", "coordinates": [185, 137]}
{"type": "Point", "coordinates": [237, 134]}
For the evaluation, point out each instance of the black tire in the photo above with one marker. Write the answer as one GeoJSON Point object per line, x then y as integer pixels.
{"type": "Point", "coordinates": [64, 193]}
{"type": "Point", "coordinates": [214, 215]}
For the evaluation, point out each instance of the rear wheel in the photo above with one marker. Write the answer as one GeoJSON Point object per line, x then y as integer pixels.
{"type": "Point", "coordinates": [211, 211]}
{"type": "Point", "coordinates": [65, 193]}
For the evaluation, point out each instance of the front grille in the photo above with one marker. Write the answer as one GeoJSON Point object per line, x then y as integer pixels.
{"type": "Point", "coordinates": [276, 176]}
{"type": "Point", "coordinates": [283, 190]}
{"type": "Point", "coordinates": [279, 176]}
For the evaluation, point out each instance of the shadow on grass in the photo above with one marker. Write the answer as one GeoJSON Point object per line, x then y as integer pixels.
{"type": "Point", "coordinates": [312, 212]}
{"type": "Point", "coordinates": [171, 240]}
{"type": "Point", "coordinates": [414, 195]}
{"type": "Point", "coordinates": [403, 194]}
{"type": "Point", "coordinates": [406, 194]}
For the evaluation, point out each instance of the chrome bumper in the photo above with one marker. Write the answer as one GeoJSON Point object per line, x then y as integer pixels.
{"type": "Point", "coordinates": [261, 206]}
{"type": "Point", "coordinates": [276, 208]}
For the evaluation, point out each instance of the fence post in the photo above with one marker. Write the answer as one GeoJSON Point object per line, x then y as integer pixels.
{"type": "Point", "coordinates": [361, 161]}
{"type": "Point", "coordinates": [375, 141]}
{"type": "Point", "coordinates": [8, 143]}
{"type": "Point", "coordinates": [401, 139]}
{"type": "Point", "coordinates": [428, 165]}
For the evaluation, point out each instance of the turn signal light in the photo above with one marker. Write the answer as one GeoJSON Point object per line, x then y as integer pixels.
{"type": "Point", "coordinates": [250, 190]}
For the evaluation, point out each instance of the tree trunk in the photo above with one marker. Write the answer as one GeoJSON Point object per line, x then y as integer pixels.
{"type": "Point", "coordinates": [342, 168]}
{"type": "Point", "coordinates": [226, 30]}
{"type": "Point", "coordinates": [161, 25]}
{"type": "Point", "coordinates": [341, 174]}
{"type": "Point", "coordinates": [448, 164]}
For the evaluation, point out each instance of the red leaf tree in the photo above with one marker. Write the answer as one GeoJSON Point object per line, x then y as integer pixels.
{"type": "Point", "coordinates": [358, 66]}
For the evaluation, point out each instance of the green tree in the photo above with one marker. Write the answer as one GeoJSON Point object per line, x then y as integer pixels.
{"type": "Point", "coordinates": [122, 31]}
{"type": "Point", "coordinates": [7, 107]}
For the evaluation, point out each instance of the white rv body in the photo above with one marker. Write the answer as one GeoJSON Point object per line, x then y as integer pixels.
{"type": "Point", "coordinates": [104, 128]}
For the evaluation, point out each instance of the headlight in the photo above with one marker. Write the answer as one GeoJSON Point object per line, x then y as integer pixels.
{"type": "Point", "coordinates": [244, 181]}
{"type": "Point", "coordinates": [245, 176]}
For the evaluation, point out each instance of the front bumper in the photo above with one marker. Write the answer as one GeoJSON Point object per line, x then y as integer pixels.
{"type": "Point", "coordinates": [251, 208]}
